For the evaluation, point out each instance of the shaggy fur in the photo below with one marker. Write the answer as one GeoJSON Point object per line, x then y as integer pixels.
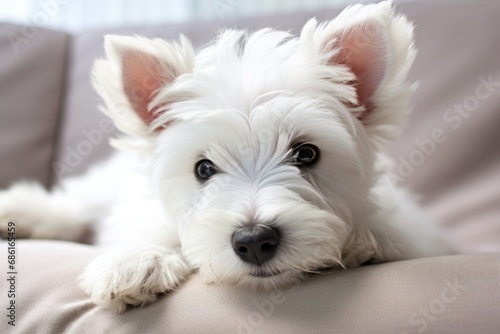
{"type": "Point", "coordinates": [245, 102]}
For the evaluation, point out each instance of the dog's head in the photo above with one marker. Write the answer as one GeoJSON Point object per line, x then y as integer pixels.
{"type": "Point", "coordinates": [263, 145]}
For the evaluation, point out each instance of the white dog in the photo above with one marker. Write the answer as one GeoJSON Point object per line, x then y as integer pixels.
{"type": "Point", "coordinates": [253, 162]}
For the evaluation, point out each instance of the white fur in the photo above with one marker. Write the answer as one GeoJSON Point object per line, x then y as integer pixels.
{"type": "Point", "coordinates": [241, 102]}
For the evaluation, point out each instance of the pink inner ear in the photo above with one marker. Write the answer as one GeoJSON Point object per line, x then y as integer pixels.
{"type": "Point", "coordinates": [362, 48]}
{"type": "Point", "coordinates": [143, 75]}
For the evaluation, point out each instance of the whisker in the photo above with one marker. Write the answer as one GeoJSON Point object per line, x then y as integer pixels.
{"type": "Point", "coordinates": [212, 269]}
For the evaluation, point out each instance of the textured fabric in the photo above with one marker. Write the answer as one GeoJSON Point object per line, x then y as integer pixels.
{"type": "Point", "coordinates": [32, 62]}
{"type": "Point", "coordinates": [455, 294]}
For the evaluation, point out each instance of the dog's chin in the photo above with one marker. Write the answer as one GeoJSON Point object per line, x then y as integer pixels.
{"type": "Point", "coordinates": [269, 280]}
{"type": "Point", "coordinates": [265, 278]}
{"type": "Point", "coordinates": [261, 273]}
{"type": "Point", "coordinates": [257, 279]}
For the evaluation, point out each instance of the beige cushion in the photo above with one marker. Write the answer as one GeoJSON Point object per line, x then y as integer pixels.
{"type": "Point", "coordinates": [32, 66]}
{"type": "Point", "coordinates": [455, 294]}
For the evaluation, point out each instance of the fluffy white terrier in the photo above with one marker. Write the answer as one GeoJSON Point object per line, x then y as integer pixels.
{"type": "Point", "coordinates": [253, 162]}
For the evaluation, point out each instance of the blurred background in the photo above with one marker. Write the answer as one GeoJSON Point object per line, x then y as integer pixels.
{"type": "Point", "coordinates": [75, 15]}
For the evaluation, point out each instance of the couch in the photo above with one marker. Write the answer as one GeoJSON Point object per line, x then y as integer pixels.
{"type": "Point", "coordinates": [49, 119]}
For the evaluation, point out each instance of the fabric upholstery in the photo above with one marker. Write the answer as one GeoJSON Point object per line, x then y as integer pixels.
{"type": "Point", "coordinates": [459, 51]}
{"type": "Point", "coordinates": [454, 294]}
{"type": "Point", "coordinates": [32, 64]}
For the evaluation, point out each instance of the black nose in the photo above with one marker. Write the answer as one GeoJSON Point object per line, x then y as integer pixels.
{"type": "Point", "coordinates": [256, 244]}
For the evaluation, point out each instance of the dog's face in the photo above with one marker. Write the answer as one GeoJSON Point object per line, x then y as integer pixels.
{"type": "Point", "coordinates": [263, 145]}
{"type": "Point", "coordinates": [260, 195]}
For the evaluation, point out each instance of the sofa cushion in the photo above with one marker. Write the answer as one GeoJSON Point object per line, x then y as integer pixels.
{"type": "Point", "coordinates": [32, 68]}
{"type": "Point", "coordinates": [449, 152]}
{"type": "Point", "coordinates": [454, 294]}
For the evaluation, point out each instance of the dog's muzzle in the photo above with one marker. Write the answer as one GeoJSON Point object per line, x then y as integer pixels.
{"type": "Point", "coordinates": [256, 244]}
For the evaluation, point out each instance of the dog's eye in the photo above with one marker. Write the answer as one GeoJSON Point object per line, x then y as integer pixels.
{"type": "Point", "coordinates": [205, 169]}
{"type": "Point", "coordinates": [305, 155]}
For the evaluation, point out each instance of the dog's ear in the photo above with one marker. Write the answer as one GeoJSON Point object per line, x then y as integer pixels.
{"type": "Point", "coordinates": [134, 70]}
{"type": "Point", "coordinates": [376, 45]}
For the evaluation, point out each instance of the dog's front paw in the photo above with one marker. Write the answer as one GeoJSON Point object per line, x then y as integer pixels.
{"type": "Point", "coordinates": [132, 277]}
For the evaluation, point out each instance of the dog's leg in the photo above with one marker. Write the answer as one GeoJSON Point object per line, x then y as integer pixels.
{"type": "Point", "coordinates": [66, 212]}
{"type": "Point", "coordinates": [39, 214]}
{"type": "Point", "coordinates": [144, 260]}
{"type": "Point", "coordinates": [397, 229]}
{"type": "Point", "coordinates": [404, 231]}
{"type": "Point", "coordinates": [133, 275]}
